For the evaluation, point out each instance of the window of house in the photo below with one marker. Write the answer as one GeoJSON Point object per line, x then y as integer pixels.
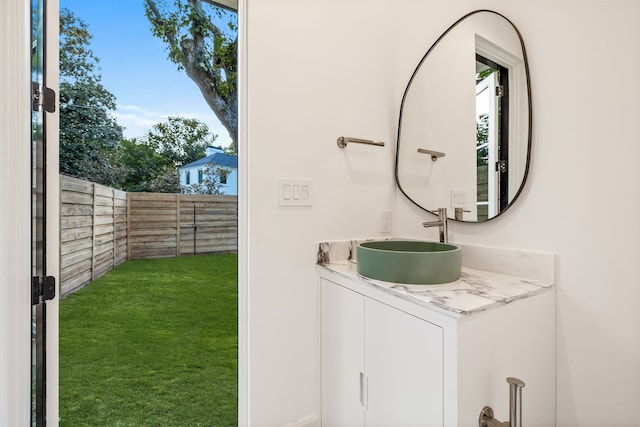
{"type": "Point", "coordinates": [199, 176]}
{"type": "Point", "coordinates": [187, 177]}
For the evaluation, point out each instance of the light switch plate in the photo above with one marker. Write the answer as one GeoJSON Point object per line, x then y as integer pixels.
{"type": "Point", "coordinates": [458, 199]}
{"type": "Point", "coordinates": [294, 192]}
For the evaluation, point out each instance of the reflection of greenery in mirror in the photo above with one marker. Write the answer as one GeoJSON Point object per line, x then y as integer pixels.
{"type": "Point", "coordinates": [482, 139]}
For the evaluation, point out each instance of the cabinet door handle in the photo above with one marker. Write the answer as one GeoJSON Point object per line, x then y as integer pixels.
{"type": "Point", "coordinates": [364, 391]}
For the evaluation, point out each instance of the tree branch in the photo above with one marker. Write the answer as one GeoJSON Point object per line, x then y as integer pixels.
{"type": "Point", "coordinates": [159, 22]}
{"type": "Point", "coordinates": [202, 50]}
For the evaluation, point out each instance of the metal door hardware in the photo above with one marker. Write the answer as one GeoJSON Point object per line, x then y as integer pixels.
{"type": "Point", "coordinates": [44, 287]}
{"type": "Point", "coordinates": [42, 96]}
{"type": "Point", "coordinates": [501, 166]}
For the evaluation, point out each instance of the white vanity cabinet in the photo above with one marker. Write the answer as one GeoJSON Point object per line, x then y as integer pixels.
{"type": "Point", "coordinates": [390, 361]}
{"type": "Point", "coordinates": [380, 366]}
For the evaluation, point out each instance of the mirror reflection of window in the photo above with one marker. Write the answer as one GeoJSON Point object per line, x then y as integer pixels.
{"type": "Point", "coordinates": [491, 137]}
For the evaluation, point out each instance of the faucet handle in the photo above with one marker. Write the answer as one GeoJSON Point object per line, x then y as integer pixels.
{"type": "Point", "coordinates": [459, 213]}
{"type": "Point", "coordinates": [441, 222]}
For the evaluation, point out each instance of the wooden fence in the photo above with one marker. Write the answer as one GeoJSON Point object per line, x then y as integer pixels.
{"type": "Point", "coordinates": [93, 231]}
{"type": "Point", "coordinates": [102, 227]}
{"type": "Point", "coordinates": [166, 225]}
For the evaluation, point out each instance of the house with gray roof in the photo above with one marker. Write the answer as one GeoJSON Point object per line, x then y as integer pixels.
{"type": "Point", "coordinates": [216, 167]}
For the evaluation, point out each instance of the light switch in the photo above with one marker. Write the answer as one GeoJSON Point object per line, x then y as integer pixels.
{"type": "Point", "coordinates": [294, 192]}
{"type": "Point", "coordinates": [458, 199]}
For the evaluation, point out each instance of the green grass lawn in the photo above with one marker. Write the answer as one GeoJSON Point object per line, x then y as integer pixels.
{"type": "Point", "coordinates": [152, 343]}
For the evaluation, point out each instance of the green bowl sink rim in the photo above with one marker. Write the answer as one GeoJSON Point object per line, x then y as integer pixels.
{"type": "Point", "coordinates": [440, 247]}
{"type": "Point", "coordinates": [412, 262]}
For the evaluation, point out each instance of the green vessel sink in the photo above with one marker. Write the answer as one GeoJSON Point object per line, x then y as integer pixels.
{"type": "Point", "coordinates": [408, 261]}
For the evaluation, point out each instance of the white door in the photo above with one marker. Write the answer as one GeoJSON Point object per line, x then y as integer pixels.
{"type": "Point", "coordinates": [404, 366]}
{"type": "Point", "coordinates": [381, 367]}
{"type": "Point", "coordinates": [342, 356]}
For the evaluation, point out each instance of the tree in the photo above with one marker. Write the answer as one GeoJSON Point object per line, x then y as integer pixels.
{"type": "Point", "coordinates": [146, 170]}
{"type": "Point", "coordinates": [151, 163]}
{"type": "Point", "coordinates": [212, 178]}
{"type": "Point", "coordinates": [89, 135]}
{"type": "Point", "coordinates": [206, 52]}
{"type": "Point", "coordinates": [166, 181]}
{"type": "Point", "coordinates": [180, 140]}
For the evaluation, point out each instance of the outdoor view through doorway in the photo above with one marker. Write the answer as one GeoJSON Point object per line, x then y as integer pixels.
{"type": "Point", "coordinates": [148, 216]}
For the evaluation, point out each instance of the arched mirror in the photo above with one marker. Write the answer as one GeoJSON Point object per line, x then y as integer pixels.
{"type": "Point", "coordinates": [464, 137]}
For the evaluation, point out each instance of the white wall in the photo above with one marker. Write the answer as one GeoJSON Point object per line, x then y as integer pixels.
{"type": "Point", "coordinates": [319, 70]}
{"type": "Point", "coordinates": [316, 71]}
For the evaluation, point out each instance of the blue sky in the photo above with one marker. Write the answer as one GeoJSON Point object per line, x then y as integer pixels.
{"type": "Point", "coordinates": [134, 67]}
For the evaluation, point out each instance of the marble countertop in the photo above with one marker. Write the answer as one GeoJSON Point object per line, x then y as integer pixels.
{"type": "Point", "coordinates": [477, 289]}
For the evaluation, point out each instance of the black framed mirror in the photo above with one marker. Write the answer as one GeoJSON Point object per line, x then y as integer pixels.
{"type": "Point", "coordinates": [464, 133]}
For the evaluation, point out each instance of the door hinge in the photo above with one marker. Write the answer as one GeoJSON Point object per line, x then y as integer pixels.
{"type": "Point", "coordinates": [42, 96]}
{"type": "Point", "coordinates": [499, 90]}
{"type": "Point", "coordinates": [44, 287]}
{"type": "Point", "coordinates": [501, 166]}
